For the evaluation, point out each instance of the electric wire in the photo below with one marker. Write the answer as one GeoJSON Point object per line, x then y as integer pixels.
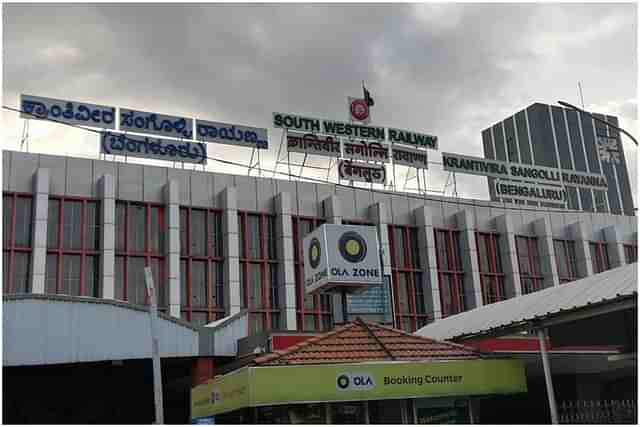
{"type": "Point", "coordinates": [457, 201]}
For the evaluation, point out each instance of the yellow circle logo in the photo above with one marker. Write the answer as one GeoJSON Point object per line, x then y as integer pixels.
{"type": "Point", "coordinates": [352, 247]}
{"type": "Point", "coordinates": [314, 253]}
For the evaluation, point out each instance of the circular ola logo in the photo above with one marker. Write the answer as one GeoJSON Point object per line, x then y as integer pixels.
{"type": "Point", "coordinates": [352, 247]}
{"type": "Point", "coordinates": [314, 253]}
{"type": "Point", "coordinates": [359, 109]}
{"type": "Point", "coordinates": [355, 381]}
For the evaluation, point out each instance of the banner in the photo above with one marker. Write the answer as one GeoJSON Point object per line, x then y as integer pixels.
{"type": "Point", "coordinates": [156, 124]}
{"type": "Point", "coordinates": [308, 143]}
{"type": "Point", "coordinates": [364, 172]}
{"type": "Point", "coordinates": [368, 151]}
{"type": "Point", "coordinates": [72, 112]}
{"type": "Point", "coordinates": [257, 386]}
{"type": "Point", "coordinates": [225, 133]}
{"type": "Point", "coordinates": [525, 191]}
{"type": "Point", "coordinates": [410, 157]}
{"type": "Point", "coordinates": [520, 172]}
{"type": "Point", "coordinates": [399, 136]}
{"type": "Point", "coordinates": [153, 148]}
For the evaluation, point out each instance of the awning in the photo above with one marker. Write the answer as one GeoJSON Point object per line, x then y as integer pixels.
{"type": "Point", "coordinates": [275, 385]}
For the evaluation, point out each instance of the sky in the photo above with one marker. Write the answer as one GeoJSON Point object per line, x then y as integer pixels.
{"type": "Point", "coordinates": [449, 70]}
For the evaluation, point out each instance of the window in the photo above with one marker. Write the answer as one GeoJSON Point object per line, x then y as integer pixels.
{"type": "Point", "coordinates": [259, 271]}
{"type": "Point", "coordinates": [16, 242]}
{"type": "Point", "coordinates": [531, 279]}
{"type": "Point", "coordinates": [450, 273]}
{"type": "Point", "coordinates": [407, 277]}
{"type": "Point", "coordinates": [201, 265]}
{"type": "Point", "coordinates": [599, 256]}
{"type": "Point", "coordinates": [565, 251]}
{"type": "Point", "coordinates": [631, 253]}
{"type": "Point", "coordinates": [140, 233]}
{"type": "Point", "coordinates": [73, 247]}
{"type": "Point", "coordinates": [313, 311]}
{"type": "Point", "coordinates": [491, 273]}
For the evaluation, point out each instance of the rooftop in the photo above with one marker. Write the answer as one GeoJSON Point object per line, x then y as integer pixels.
{"type": "Point", "coordinates": [361, 341]}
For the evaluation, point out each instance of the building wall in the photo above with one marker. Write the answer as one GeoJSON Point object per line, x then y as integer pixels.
{"type": "Point", "coordinates": [546, 135]}
{"type": "Point", "coordinates": [47, 176]}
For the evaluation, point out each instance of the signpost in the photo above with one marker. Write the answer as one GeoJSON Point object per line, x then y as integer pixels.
{"type": "Point", "coordinates": [155, 352]}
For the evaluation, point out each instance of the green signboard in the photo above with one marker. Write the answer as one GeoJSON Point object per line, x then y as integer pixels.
{"type": "Point", "coordinates": [258, 386]}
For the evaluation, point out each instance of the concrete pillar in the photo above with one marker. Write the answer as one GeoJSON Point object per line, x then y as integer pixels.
{"type": "Point", "coordinates": [469, 257]}
{"type": "Point", "coordinates": [549, 269]}
{"type": "Point", "coordinates": [332, 210]}
{"type": "Point", "coordinates": [577, 233]}
{"type": "Point", "coordinates": [508, 255]}
{"type": "Point", "coordinates": [172, 201]}
{"type": "Point", "coordinates": [229, 204]}
{"type": "Point", "coordinates": [379, 214]}
{"type": "Point", "coordinates": [615, 246]}
{"type": "Point", "coordinates": [427, 250]}
{"type": "Point", "coordinates": [107, 194]}
{"type": "Point", "coordinates": [286, 272]}
{"type": "Point", "coordinates": [39, 231]}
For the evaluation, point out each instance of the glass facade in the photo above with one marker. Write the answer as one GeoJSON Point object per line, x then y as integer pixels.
{"type": "Point", "coordinates": [450, 272]}
{"type": "Point", "coordinates": [531, 279]}
{"type": "Point", "coordinates": [73, 247]}
{"type": "Point", "coordinates": [201, 265]}
{"type": "Point", "coordinates": [140, 241]}
{"type": "Point", "coordinates": [259, 271]}
{"type": "Point", "coordinates": [17, 220]}
{"type": "Point", "coordinates": [407, 278]}
{"type": "Point", "coordinates": [631, 253]}
{"type": "Point", "coordinates": [491, 274]}
{"type": "Point", "coordinates": [313, 311]}
{"type": "Point", "coordinates": [599, 257]}
{"type": "Point", "coordinates": [565, 251]}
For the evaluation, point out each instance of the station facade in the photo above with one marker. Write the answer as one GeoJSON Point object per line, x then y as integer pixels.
{"type": "Point", "coordinates": [218, 243]}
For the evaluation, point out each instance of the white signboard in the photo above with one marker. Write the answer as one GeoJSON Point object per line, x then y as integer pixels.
{"type": "Point", "coordinates": [156, 124]}
{"type": "Point", "coordinates": [364, 172]}
{"type": "Point", "coordinates": [399, 136]}
{"type": "Point", "coordinates": [410, 157]}
{"type": "Point", "coordinates": [341, 256]}
{"type": "Point", "coordinates": [327, 127]}
{"type": "Point", "coordinates": [153, 148]}
{"type": "Point", "coordinates": [521, 172]}
{"type": "Point", "coordinates": [225, 133]}
{"type": "Point", "coordinates": [308, 143]}
{"type": "Point", "coordinates": [526, 191]}
{"type": "Point", "coordinates": [363, 150]}
{"type": "Point", "coordinates": [72, 112]}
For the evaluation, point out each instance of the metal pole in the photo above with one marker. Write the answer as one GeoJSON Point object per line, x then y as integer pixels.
{"type": "Point", "coordinates": [547, 376]}
{"type": "Point", "coordinates": [155, 353]}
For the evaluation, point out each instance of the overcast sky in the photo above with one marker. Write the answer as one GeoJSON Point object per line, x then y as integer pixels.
{"type": "Point", "coordinates": [446, 69]}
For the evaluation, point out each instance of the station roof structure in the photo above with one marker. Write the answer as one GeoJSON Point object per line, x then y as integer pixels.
{"type": "Point", "coordinates": [606, 292]}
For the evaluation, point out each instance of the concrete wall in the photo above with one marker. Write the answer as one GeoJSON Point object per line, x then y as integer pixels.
{"type": "Point", "coordinates": [172, 187]}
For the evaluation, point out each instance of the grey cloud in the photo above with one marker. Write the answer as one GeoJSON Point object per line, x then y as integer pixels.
{"type": "Point", "coordinates": [451, 70]}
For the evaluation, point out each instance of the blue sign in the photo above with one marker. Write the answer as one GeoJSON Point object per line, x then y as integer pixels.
{"type": "Point", "coordinates": [224, 133]}
{"type": "Point", "coordinates": [156, 124]}
{"type": "Point", "coordinates": [153, 148]}
{"type": "Point", "coordinates": [204, 420]}
{"type": "Point", "coordinates": [373, 300]}
{"type": "Point", "coordinates": [72, 112]}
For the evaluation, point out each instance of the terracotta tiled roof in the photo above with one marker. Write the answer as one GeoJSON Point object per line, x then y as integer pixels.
{"type": "Point", "coordinates": [361, 341]}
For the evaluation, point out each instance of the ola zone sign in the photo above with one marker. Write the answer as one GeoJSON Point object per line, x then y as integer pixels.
{"type": "Point", "coordinates": [341, 256]}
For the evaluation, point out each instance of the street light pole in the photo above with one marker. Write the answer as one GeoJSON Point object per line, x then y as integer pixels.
{"type": "Point", "coordinates": [573, 107]}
